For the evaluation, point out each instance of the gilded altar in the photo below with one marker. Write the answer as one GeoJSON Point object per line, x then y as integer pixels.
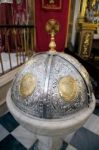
{"type": "Point", "coordinates": [88, 22]}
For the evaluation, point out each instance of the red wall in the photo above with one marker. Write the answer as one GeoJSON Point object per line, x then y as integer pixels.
{"type": "Point", "coordinates": [42, 16]}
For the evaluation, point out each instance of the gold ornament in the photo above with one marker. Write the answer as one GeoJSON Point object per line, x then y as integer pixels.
{"type": "Point", "coordinates": [27, 85]}
{"type": "Point", "coordinates": [68, 88]}
{"type": "Point", "coordinates": [51, 1]}
{"type": "Point", "coordinates": [52, 27]}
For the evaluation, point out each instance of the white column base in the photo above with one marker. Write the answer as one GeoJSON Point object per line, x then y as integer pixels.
{"type": "Point", "coordinates": [49, 143]}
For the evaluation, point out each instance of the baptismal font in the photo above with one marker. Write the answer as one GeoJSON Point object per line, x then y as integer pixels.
{"type": "Point", "coordinates": [52, 95]}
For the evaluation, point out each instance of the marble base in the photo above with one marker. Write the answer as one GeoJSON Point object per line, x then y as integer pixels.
{"type": "Point", "coordinates": [52, 143]}
{"type": "Point", "coordinates": [55, 129]}
{"type": "Point", "coordinates": [49, 143]}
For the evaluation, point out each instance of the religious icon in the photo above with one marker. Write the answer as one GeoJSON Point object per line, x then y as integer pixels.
{"type": "Point", "coordinates": [52, 4]}
{"type": "Point", "coordinates": [51, 1]}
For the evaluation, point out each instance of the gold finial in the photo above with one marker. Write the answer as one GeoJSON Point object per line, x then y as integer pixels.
{"type": "Point", "coordinates": [52, 27]}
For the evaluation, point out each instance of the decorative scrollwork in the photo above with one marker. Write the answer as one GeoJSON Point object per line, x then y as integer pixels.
{"type": "Point", "coordinates": [51, 104]}
{"type": "Point", "coordinates": [86, 43]}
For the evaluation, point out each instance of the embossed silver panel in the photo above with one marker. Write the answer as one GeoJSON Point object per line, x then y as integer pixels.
{"type": "Point", "coordinates": [45, 101]}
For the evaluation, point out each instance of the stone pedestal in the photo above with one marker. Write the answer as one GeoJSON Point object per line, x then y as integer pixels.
{"type": "Point", "coordinates": [50, 133]}
{"type": "Point", "coordinates": [49, 143]}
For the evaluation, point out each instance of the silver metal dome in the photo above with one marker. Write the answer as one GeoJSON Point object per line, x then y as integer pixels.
{"type": "Point", "coordinates": [51, 85]}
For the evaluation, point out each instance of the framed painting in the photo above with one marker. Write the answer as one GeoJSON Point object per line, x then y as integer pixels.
{"type": "Point", "coordinates": [52, 4]}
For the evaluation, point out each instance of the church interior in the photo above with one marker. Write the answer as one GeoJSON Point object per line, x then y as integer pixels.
{"type": "Point", "coordinates": [67, 32]}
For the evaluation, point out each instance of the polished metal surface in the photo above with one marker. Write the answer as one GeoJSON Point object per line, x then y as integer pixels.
{"type": "Point", "coordinates": [60, 86]}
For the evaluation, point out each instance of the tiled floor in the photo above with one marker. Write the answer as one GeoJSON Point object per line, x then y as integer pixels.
{"type": "Point", "coordinates": [15, 137]}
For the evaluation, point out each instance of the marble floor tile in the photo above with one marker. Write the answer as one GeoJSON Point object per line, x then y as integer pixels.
{"type": "Point", "coordinates": [92, 124]}
{"type": "Point", "coordinates": [69, 137]}
{"type": "Point", "coordinates": [70, 147]}
{"type": "Point", "coordinates": [96, 111]}
{"type": "Point", "coordinates": [3, 132]}
{"type": "Point", "coordinates": [85, 140]}
{"type": "Point", "coordinates": [8, 122]}
{"type": "Point", "coordinates": [64, 146]}
{"type": "Point", "coordinates": [10, 143]}
{"type": "Point", "coordinates": [34, 146]}
{"type": "Point", "coordinates": [24, 136]}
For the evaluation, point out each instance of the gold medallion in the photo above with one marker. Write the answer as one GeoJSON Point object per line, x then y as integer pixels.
{"type": "Point", "coordinates": [68, 88]}
{"type": "Point", "coordinates": [27, 85]}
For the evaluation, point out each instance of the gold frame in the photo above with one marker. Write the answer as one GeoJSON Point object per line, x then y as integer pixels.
{"type": "Point", "coordinates": [86, 30]}
{"type": "Point", "coordinates": [83, 4]}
